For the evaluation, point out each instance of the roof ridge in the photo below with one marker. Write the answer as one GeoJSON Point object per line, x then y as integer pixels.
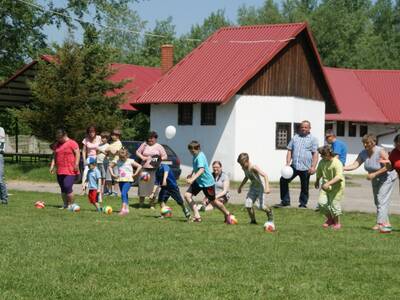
{"type": "Point", "coordinates": [363, 70]}
{"type": "Point", "coordinates": [261, 26]}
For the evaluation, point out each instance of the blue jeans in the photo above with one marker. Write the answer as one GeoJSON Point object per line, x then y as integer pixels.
{"type": "Point", "coordinates": [284, 187]}
{"type": "Point", "coordinates": [124, 188]}
{"type": "Point", "coordinates": [3, 187]}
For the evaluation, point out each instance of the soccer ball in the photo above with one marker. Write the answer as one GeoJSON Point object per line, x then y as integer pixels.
{"type": "Point", "coordinates": [166, 212]}
{"type": "Point", "coordinates": [231, 219]}
{"type": "Point", "coordinates": [107, 210]}
{"type": "Point", "coordinates": [145, 176]}
{"type": "Point", "coordinates": [40, 204]}
{"type": "Point", "coordinates": [74, 208]}
{"type": "Point", "coordinates": [269, 226]}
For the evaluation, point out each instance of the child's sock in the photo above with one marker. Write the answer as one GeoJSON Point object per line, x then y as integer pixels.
{"type": "Point", "coordinates": [270, 215]}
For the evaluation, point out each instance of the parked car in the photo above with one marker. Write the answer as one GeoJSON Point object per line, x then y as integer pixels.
{"type": "Point", "coordinates": [172, 160]}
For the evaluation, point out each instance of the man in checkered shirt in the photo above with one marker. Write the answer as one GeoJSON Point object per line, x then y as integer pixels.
{"type": "Point", "coordinates": [302, 156]}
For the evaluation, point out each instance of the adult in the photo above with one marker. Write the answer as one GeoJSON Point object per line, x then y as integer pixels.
{"type": "Point", "coordinates": [302, 156]}
{"type": "Point", "coordinates": [394, 156]}
{"type": "Point", "coordinates": [145, 152]}
{"type": "Point", "coordinates": [221, 186]}
{"type": "Point", "coordinates": [382, 180]}
{"type": "Point", "coordinates": [66, 161]}
{"type": "Point", "coordinates": [89, 150]}
{"type": "Point", "coordinates": [3, 187]}
{"type": "Point", "coordinates": [339, 147]}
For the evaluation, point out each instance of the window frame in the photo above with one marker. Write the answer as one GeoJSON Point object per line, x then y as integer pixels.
{"type": "Point", "coordinates": [278, 126]}
{"type": "Point", "coordinates": [362, 128]}
{"type": "Point", "coordinates": [208, 114]}
{"type": "Point", "coordinates": [185, 114]}
{"type": "Point", "coordinates": [338, 131]}
{"type": "Point", "coordinates": [352, 129]}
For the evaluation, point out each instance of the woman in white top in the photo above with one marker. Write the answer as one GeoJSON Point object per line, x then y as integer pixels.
{"type": "Point", "coordinates": [90, 144]}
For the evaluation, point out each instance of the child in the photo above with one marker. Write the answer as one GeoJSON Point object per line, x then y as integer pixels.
{"type": "Point", "coordinates": [93, 182]}
{"type": "Point", "coordinates": [201, 179]}
{"type": "Point", "coordinates": [165, 179]}
{"type": "Point", "coordinates": [124, 166]}
{"type": "Point", "coordinates": [257, 188]}
{"type": "Point", "coordinates": [112, 151]}
{"type": "Point", "coordinates": [102, 161]}
{"type": "Point", "coordinates": [330, 169]}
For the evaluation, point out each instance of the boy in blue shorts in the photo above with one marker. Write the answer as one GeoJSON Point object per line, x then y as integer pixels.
{"type": "Point", "coordinates": [201, 179]}
{"type": "Point", "coordinates": [165, 179]}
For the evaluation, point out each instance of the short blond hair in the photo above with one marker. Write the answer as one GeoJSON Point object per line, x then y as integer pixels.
{"type": "Point", "coordinates": [369, 137]}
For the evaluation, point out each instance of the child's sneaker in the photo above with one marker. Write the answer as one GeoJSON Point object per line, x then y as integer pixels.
{"type": "Point", "coordinates": [123, 212]}
{"type": "Point", "coordinates": [186, 212]}
{"type": "Point", "coordinates": [328, 222]}
{"type": "Point", "coordinates": [385, 228]}
{"type": "Point", "coordinates": [337, 226]}
{"type": "Point", "coordinates": [253, 222]}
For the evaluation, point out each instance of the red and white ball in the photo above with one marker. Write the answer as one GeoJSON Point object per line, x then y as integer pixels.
{"type": "Point", "coordinates": [40, 204]}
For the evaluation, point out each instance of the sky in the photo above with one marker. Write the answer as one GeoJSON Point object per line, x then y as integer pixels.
{"type": "Point", "coordinates": [184, 13]}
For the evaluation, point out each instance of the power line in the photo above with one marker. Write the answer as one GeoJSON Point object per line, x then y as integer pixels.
{"type": "Point", "coordinates": [103, 26]}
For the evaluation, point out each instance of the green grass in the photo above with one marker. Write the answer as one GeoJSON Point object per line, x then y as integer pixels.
{"type": "Point", "coordinates": [28, 171]}
{"type": "Point", "coordinates": [53, 254]}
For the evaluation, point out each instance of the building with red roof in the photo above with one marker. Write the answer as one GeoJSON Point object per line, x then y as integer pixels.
{"type": "Point", "coordinates": [244, 89]}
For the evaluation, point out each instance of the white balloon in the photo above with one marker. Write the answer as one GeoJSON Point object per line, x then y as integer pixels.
{"type": "Point", "coordinates": [287, 172]}
{"type": "Point", "coordinates": [170, 132]}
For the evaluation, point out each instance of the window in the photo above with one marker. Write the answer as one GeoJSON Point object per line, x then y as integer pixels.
{"type": "Point", "coordinates": [296, 128]}
{"type": "Point", "coordinates": [328, 126]}
{"type": "Point", "coordinates": [363, 130]}
{"type": "Point", "coordinates": [282, 135]}
{"type": "Point", "coordinates": [208, 114]}
{"type": "Point", "coordinates": [340, 128]}
{"type": "Point", "coordinates": [352, 129]}
{"type": "Point", "coordinates": [185, 114]}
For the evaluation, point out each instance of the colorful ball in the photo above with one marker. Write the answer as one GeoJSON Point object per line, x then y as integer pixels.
{"type": "Point", "coordinates": [108, 210]}
{"type": "Point", "coordinates": [231, 219]}
{"type": "Point", "coordinates": [145, 176]}
{"type": "Point", "coordinates": [40, 204]}
{"type": "Point", "coordinates": [166, 212]}
{"type": "Point", "coordinates": [74, 208]}
{"type": "Point", "coordinates": [269, 226]}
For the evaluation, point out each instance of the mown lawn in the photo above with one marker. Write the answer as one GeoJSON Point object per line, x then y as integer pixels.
{"type": "Point", "coordinates": [53, 254]}
{"type": "Point", "coordinates": [27, 171]}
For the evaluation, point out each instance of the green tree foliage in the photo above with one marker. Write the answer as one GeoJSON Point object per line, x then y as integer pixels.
{"type": "Point", "coordinates": [73, 92]}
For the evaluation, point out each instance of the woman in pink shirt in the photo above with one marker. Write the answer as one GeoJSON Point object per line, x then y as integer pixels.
{"type": "Point", "coordinates": [146, 152]}
{"type": "Point", "coordinates": [90, 145]}
{"type": "Point", "coordinates": [66, 161]}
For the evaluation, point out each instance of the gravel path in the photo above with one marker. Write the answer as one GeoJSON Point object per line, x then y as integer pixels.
{"type": "Point", "coordinates": [357, 198]}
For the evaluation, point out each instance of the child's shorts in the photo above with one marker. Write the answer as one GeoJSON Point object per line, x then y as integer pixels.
{"type": "Point", "coordinates": [92, 196]}
{"type": "Point", "coordinates": [252, 196]}
{"type": "Point", "coordinates": [108, 173]}
{"type": "Point", "coordinates": [208, 191]}
{"type": "Point", "coordinates": [102, 168]}
{"type": "Point", "coordinates": [174, 193]}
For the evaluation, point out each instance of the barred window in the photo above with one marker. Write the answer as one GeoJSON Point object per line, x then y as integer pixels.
{"type": "Point", "coordinates": [340, 128]}
{"type": "Point", "coordinates": [363, 130]}
{"type": "Point", "coordinates": [185, 114]}
{"type": "Point", "coordinates": [296, 128]}
{"type": "Point", "coordinates": [208, 114]}
{"type": "Point", "coordinates": [352, 129]}
{"type": "Point", "coordinates": [283, 135]}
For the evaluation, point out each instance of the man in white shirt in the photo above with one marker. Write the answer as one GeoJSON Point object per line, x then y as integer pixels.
{"type": "Point", "coordinates": [3, 187]}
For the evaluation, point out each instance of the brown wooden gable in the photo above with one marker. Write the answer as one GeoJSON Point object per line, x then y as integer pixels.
{"type": "Point", "coordinates": [295, 71]}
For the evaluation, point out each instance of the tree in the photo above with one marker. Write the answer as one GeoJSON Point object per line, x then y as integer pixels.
{"type": "Point", "coordinates": [269, 13]}
{"type": "Point", "coordinates": [73, 92]}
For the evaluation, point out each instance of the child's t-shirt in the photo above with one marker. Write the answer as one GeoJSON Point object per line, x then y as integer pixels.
{"type": "Point", "coordinates": [329, 169]}
{"type": "Point", "coordinates": [113, 148]}
{"type": "Point", "coordinates": [206, 179]}
{"type": "Point", "coordinates": [125, 170]}
{"type": "Point", "coordinates": [93, 176]}
{"type": "Point", "coordinates": [91, 147]}
{"type": "Point", "coordinates": [102, 156]}
{"type": "Point", "coordinates": [171, 182]}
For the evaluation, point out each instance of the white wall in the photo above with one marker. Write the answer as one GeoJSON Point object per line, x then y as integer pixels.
{"type": "Point", "coordinates": [355, 145]}
{"type": "Point", "coordinates": [217, 141]}
{"type": "Point", "coordinates": [255, 130]}
{"type": "Point", "coordinates": [244, 124]}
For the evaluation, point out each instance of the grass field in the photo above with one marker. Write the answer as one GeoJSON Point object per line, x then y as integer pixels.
{"type": "Point", "coordinates": [27, 171]}
{"type": "Point", "coordinates": [53, 254]}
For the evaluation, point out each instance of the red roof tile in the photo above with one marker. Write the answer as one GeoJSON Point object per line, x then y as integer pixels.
{"type": "Point", "coordinates": [365, 95]}
{"type": "Point", "coordinates": [140, 79]}
{"type": "Point", "coordinates": [220, 66]}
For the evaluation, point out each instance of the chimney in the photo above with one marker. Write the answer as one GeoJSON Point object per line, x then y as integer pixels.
{"type": "Point", "coordinates": [167, 58]}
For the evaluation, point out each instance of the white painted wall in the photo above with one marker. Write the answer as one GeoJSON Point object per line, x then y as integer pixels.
{"type": "Point", "coordinates": [244, 124]}
{"type": "Point", "coordinates": [255, 130]}
{"type": "Point", "coordinates": [354, 144]}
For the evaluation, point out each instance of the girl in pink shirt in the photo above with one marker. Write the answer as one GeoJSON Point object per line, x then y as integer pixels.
{"type": "Point", "coordinates": [90, 145]}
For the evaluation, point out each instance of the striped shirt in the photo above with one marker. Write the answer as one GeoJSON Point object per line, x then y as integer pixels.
{"type": "Point", "coordinates": [302, 148]}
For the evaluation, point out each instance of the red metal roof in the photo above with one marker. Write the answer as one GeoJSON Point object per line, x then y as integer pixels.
{"type": "Point", "coordinates": [220, 66]}
{"type": "Point", "coordinates": [140, 79]}
{"type": "Point", "coordinates": [365, 95]}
